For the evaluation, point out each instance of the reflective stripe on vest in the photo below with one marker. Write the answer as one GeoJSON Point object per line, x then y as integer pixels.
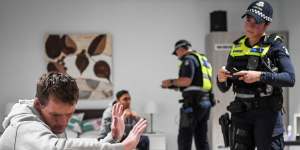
{"type": "Point", "coordinates": [242, 50]}
{"type": "Point", "coordinates": [206, 69]}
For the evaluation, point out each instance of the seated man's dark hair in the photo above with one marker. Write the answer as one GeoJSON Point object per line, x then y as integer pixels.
{"type": "Point", "coordinates": [120, 93]}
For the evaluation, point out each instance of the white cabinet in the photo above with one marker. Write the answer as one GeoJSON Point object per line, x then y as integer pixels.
{"type": "Point", "coordinates": [157, 141]}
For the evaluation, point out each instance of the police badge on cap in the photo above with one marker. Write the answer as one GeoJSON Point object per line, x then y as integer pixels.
{"type": "Point", "coordinates": [262, 11]}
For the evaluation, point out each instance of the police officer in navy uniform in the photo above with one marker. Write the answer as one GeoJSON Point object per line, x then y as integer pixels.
{"type": "Point", "coordinates": [258, 66]}
{"type": "Point", "coordinates": [194, 82]}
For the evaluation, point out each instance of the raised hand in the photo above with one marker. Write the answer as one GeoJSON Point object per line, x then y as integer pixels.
{"type": "Point", "coordinates": [117, 125]}
{"type": "Point", "coordinates": [223, 74]}
{"type": "Point", "coordinates": [135, 134]}
{"type": "Point", "coordinates": [166, 83]}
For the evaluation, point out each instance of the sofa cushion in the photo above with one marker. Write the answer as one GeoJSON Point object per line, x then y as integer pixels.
{"type": "Point", "coordinates": [75, 121]}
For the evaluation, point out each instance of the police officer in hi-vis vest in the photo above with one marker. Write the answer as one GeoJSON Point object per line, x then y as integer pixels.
{"type": "Point", "coordinates": [258, 66]}
{"type": "Point", "coordinates": [195, 83]}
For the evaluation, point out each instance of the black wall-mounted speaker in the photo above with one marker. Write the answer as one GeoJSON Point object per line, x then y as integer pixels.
{"type": "Point", "coordinates": [218, 21]}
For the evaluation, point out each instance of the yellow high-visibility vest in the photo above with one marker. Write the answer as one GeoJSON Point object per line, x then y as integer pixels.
{"type": "Point", "coordinates": [241, 49]}
{"type": "Point", "coordinates": [206, 69]}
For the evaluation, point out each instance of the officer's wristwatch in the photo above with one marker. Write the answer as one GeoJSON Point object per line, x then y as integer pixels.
{"type": "Point", "coordinates": [262, 76]}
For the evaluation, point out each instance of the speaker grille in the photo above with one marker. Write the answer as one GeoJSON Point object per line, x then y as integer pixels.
{"type": "Point", "coordinates": [218, 21]}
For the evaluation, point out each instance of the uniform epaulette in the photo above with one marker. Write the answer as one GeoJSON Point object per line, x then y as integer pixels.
{"type": "Point", "coordinates": [198, 52]}
{"type": "Point", "coordinates": [273, 38]}
{"type": "Point", "coordinates": [238, 40]}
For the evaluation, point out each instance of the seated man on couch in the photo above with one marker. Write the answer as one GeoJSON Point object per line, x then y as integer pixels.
{"type": "Point", "coordinates": [40, 125]}
{"type": "Point", "coordinates": [130, 119]}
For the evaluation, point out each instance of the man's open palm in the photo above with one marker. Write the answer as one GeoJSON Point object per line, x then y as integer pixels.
{"type": "Point", "coordinates": [117, 126]}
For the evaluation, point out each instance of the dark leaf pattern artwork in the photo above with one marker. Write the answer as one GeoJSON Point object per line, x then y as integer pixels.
{"type": "Point", "coordinates": [98, 45]}
{"type": "Point", "coordinates": [102, 69]}
{"type": "Point", "coordinates": [53, 46]}
{"type": "Point", "coordinates": [69, 46]}
{"type": "Point", "coordinates": [82, 61]}
{"type": "Point", "coordinates": [56, 67]}
{"type": "Point", "coordinates": [87, 58]}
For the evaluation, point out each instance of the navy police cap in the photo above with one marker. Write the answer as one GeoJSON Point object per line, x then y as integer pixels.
{"type": "Point", "coordinates": [261, 10]}
{"type": "Point", "coordinates": [181, 44]}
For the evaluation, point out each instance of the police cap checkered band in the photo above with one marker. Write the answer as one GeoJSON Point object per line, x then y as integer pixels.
{"type": "Point", "coordinates": [262, 11]}
{"type": "Point", "coordinates": [263, 16]}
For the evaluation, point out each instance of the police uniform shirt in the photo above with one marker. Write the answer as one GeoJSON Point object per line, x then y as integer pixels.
{"type": "Point", "coordinates": [190, 68]}
{"type": "Point", "coordinates": [285, 76]}
{"type": "Point", "coordinates": [278, 53]}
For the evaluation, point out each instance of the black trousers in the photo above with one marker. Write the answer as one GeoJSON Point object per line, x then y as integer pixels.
{"type": "Point", "coordinates": [144, 143]}
{"type": "Point", "coordinates": [194, 124]}
{"type": "Point", "coordinates": [260, 125]}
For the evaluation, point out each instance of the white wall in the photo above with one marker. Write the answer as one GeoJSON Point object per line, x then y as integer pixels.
{"type": "Point", "coordinates": [143, 36]}
{"type": "Point", "coordinates": [291, 21]}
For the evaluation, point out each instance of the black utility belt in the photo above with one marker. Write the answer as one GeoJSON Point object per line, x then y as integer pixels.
{"type": "Point", "coordinates": [244, 105]}
{"type": "Point", "coordinates": [194, 97]}
{"type": "Point", "coordinates": [194, 94]}
{"type": "Point", "coordinates": [247, 102]}
{"type": "Point", "coordinates": [251, 96]}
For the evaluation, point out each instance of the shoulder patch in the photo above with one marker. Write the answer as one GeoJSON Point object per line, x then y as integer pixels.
{"type": "Point", "coordinates": [186, 62]}
{"type": "Point", "coordinates": [273, 38]}
{"type": "Point", "coordinates": [286, 50]}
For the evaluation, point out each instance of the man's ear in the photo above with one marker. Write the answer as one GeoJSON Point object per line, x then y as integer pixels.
{"type": "Point", "coordinates": [37, 104]}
